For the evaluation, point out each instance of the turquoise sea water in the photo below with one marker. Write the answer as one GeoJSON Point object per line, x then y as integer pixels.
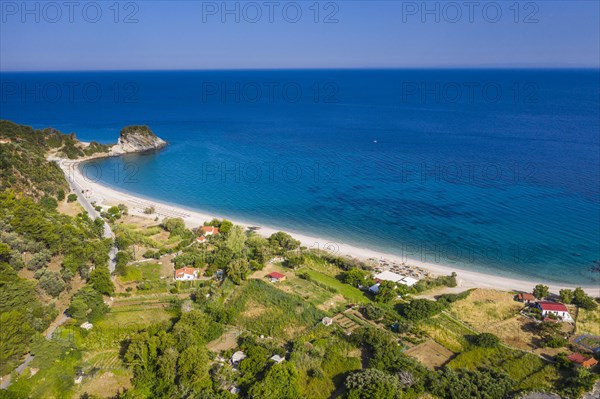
{"type": "Point", "coordinates": [490, 170]}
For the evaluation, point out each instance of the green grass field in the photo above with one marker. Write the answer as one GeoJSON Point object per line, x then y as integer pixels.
{"type": "Point", "coordinates": [141, 272]}
{"type": "Point", "coordinates": [527, 370]}
{"type": "Point", "coordinates": [326, 364]}
{"type": "Point", "coordinates": [447, 332]}
{"type": "Point", "coordinates": [264, 309]}
{"type": "Point", "coordinates": [352, 294]}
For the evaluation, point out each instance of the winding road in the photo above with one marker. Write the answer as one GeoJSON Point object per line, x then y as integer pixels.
{"type": "Point", "coordinates": [85, 203]}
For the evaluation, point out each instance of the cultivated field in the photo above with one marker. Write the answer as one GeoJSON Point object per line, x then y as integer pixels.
{"type": "Point", "coordinates": [431, 354]}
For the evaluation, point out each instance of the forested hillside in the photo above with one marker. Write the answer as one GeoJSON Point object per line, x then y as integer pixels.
{"type": "Point", "coordinates": [23, 164]}
{"type": "Point", "coordinates": [44, 254]}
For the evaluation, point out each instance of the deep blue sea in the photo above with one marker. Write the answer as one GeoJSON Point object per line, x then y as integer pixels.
{"type": "Point", "coordinates": [490, 170]}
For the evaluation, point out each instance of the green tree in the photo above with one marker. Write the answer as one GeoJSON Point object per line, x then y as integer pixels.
{"type": "Point", "coordinates": [122, 259]}
{"type": "Point", "coordinates": [464, 384]}
{"type": "Point", "coordinates": [386, 292]}
{"type": "Point", "coordinates": [236, 240]}
{"type": "Point", "coordinates": [283, 242]}
{"type": "Point", "coordinates": [372, 312]}
{"type": "Point", "coordinates": [192, 366]}
{"type": "Point", "coordinates": [583, 300]}
{"type": "Point", "coordinates": [566, 296]}
{"type": "Point", "coordinates": [52, 283]}
{"type": "Point", "coordinates": [101, 281]}
{"type": "Point", "coordinates": [419, 309]}
{"type": "Point", "coordinates": [72, 198]}
{"type": "Point", "coordinates": [281, 381]}
{"type": "Point", "coordinates": [5, 252]}
{"type": "Point", "coordinates": [294, 261]}
{"type": "Point", "coordinates": [372, 384]}
{"type": "Point", "coordinates": [237, 270]}
{"type": "Point", "coordinates": [39, 260]}
{"type": "Point", "coordinates": [486, 340]}
{"type": "Point", "coordinates": [355, 277]}
{"type": "Point", "coordinates": [541, 291]}
{"type": "Point", "coordinates": [225, 226]}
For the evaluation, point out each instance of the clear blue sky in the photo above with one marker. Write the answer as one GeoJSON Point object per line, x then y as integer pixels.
{"type": "Point", "coordinates": [389, 34]}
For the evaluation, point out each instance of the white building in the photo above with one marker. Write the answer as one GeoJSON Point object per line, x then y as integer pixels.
{"type": "Point", "coordinates": [554, 309]}
{"type": "Point", "coordinates": [395, 278]}
{"type": "Point", "coordinates": [277, 359]}
{"type": "Point", "coordinates": [186, 273]}
{"type": "Point", "coordinates": [237, 357]}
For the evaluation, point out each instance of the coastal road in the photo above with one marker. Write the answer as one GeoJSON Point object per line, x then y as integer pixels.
{"type": "Point", "coordinates": [66, 165]}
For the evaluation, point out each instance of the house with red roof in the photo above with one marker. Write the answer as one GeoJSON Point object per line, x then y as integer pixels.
{"type": "Point", "coordinates": [525, 297]}
{"type": "Point", "coordinates": [276, 277]}
{"type": "Point", "coordinates": [556, 309]}
{"type": "Point", "coordinates": [210, 230]}
{"type": "Point", "coordinates": [201, 240]}
{"type": "Point", "coordinates": [583, 361]}
{"type": "Point", "coordinates": [186, 273]}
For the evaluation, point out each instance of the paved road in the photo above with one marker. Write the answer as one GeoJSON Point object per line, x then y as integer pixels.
{"type": "Point", "coordinates": [85, 203]}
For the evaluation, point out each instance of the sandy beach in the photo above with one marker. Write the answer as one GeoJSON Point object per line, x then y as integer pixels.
{"type": "Point", "coordinates": [107, 196]}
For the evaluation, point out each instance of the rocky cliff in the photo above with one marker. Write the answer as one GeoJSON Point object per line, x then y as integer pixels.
{"type": "Point", "coordinates": [137, 139]}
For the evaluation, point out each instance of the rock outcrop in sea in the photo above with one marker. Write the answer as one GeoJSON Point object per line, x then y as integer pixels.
{"type": "Point", "coordinates": [136, 139]}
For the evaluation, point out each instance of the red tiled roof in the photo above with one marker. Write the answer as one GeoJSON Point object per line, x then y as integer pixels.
{"type": "Point", "coordinates": [185, 270]}
{"type": "Point", "coordinates": [276, 275]}
{"type": "Point", "coordinates": [525, 296]}
{"type": "Point", "coordinates": [580, 359]}
{"type": "Point", "coordinates": [201, 239]}
{"type": "Point", "coordinates": [553, 306]}
{"type": "Point", "coordinates": [210, 229]}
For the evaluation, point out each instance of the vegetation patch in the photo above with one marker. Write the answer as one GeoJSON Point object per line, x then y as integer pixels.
{"type": "Point", "coordinates": [284, 310]}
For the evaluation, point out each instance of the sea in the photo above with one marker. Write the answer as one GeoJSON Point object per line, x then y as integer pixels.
{"type": "Point", "coordinates": [491, 170]}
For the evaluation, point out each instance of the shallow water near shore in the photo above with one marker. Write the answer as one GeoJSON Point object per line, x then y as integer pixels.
{"type": "Point", "coordinates": [490, 170]}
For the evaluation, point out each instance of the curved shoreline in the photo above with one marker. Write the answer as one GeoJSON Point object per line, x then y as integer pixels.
{"type": "Point", "coordinates": [105, 195]}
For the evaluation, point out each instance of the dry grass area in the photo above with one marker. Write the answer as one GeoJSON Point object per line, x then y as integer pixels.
{"type": "Point", "coordinates": [226, 341]}
{"type": "Point", "coordinates": [518, 332]}
{"type": "Point", "coordinates": [484, 307]}
{"type": "Point", "coordinates": [69, 208]}
{"type": "Point", "coordinates": [588, 322]}
{"type": "Point", "coordinates": [254, 309]}
{"type": "Point", "coordinates": [166, 265]}
{"type": "Point", "coordinates": [431, 354]}
{"type": "Point", "coordinates": [106, 384]}
{"type": "Point", "coordinates": [332, 303]}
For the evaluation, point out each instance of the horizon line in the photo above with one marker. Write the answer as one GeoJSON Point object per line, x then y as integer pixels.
{"type": "Point", "coordinates": [373, 68]}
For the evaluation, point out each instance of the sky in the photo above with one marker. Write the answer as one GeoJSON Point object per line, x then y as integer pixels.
{"type": "Point", "coordinates": [171, 35]}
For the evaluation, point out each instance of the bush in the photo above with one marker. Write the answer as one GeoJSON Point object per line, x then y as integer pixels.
{"type": "Point", "coordinates": [39, 260]}
{"type": "Point", "coordinates": [554, 341]}
{"type": "Point", "coordinates": [372, 384]}
{"type": "Point", "coordinates": [372, 312]}
{"type": "Point", "coordinates": [420, 309]}
{"type": "Point", "coordinates": [485, 340]}
{"type": "Point", "coordinates": [72, 198]}
{"type": "Point", "coordinates": [52, 283]}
